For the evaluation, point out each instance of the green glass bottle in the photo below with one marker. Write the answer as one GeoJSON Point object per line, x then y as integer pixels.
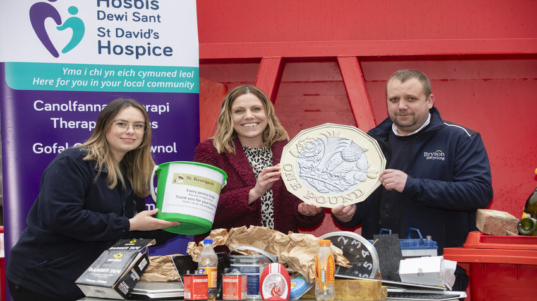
{"type": "Point", "coordinates": [527, 226]}
{"type": "Point", "coordinates": [530, 210]}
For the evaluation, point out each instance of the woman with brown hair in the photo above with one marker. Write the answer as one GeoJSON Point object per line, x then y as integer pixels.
{"type": "Point", "coordinates": [248, 145]}
{"type": "Point", "coordinates": [90, 196]}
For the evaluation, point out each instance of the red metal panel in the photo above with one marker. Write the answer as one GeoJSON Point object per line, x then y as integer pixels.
{"type": "Point", "coordinates": [210, 100]}
{"type": "Point", "coordinates": [312, 93]}
{"type": "Point", "coordinates": [369, 48]}
{"type": "Point", "coordinates": [357, 93]}
{"type": "Point", "coordinates": [230, 72]}
{"type": "Point", "coordinates": [269, 76]}
{"type": "Point", "coordinates": [245, 21]}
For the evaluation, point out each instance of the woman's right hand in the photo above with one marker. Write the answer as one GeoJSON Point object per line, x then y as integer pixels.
{"type": "Point", "coordinates": [265, 180]}
{"type": "Point", "coordinates": [344, 213]}
{"type": "Point", "coordinates": [144, 221]}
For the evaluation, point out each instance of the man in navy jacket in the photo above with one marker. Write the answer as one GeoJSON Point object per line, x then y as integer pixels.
{"type": "Point", "coordinates": [437, 173]}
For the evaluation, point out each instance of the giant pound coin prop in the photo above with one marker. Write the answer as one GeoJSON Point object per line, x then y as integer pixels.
{"type": "Point", "coordinates": [332, 164]}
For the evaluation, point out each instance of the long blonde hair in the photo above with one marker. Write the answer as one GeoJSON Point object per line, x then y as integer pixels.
{"type": "Point", "coordinates": [137, 164]}
{"type": "Point", "coordinates": [225, 133]}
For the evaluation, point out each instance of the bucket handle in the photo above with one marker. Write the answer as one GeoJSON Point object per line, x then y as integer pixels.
{"type": "Point", "coordinates": [272, 258]}
{"type": "Point", "coordinates": [152, 187]}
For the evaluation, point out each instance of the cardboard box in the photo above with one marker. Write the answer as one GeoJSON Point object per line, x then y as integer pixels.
{"type": "Point", "coordinates": [423, 270]}
{"type": "Point", "coordinates": [115, 273]}
{"type": "Point", "coordinates": [356, 289]}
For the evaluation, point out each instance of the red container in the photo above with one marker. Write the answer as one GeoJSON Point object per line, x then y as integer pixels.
{"type": "Point", "coordinates": [196, 287]}
{"type": "Point", "coordinates": [501, 267]}
{"type": "Point", "coordinates": [234, 286]}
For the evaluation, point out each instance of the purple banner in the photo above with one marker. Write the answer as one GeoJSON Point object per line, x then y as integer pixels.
{"type": "Point", "coordinates": [37, 125]}
{"type": "Point", "coordinates": [66, 60]}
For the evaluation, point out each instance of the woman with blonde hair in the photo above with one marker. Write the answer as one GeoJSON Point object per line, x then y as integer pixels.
{"type": "Point", "coordinates": [248, 145]}
{"type": "Point", "coordinates": [90, 196]}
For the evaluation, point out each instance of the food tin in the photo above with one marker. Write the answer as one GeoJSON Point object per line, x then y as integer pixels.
{"type": "Point", "coordinates": [251, 266]}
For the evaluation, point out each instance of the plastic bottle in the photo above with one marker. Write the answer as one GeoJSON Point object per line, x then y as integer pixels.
{"type": "Point", "coordinates": [325, 272]}
{"type": "Point", "coordinates": [527, 226]}
{"type": "Point", "coordinates": [207, 264]}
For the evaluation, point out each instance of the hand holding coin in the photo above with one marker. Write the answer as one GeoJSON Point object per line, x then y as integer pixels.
{"type": "Point", "coordinates": [309, 210]}
{"type": "Point", "coordinates": [393, 179]}
{"type": "Point", "coordinates": [265, 180]}
{"type": "Point", "coordinates": [344, 213]}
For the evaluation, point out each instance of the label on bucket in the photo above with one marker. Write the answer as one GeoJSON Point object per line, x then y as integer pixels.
{"type": "Point", "coordinates": [196, 181]}
{"type": "Point", "coordinates": [192, 190]}
{"type": "Point", "coordinates": [245, 268]}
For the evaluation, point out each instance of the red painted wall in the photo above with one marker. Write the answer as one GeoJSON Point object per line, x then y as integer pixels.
{"type": "Point", "coordinates": [481, 57]}
{"type": "Point", "coordinates": [239, 21]}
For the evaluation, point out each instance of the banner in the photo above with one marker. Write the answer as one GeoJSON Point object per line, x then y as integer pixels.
{"type": "Point", "coordinates": [66, 59]}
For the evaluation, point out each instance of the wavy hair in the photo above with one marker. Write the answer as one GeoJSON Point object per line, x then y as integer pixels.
{"type": "Point", "coordinates": [225, 133]}
{"type": "Point", "coordinates": [137, 165]}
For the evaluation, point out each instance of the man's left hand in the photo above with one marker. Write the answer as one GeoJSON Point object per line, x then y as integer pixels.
{"type": "Point", "coordinates": [393, 179]}
{"type": "Point", "coordinates": [309, 210]}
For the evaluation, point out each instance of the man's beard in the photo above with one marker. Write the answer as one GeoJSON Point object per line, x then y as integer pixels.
{"type": "Point", "coordinates": [407, 126]}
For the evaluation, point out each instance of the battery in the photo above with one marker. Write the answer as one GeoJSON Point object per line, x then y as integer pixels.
{"type": "Point", "coordinates": [415, 247]}
{"type": "Point", "coordinates": [196, 287]}
{"type": "Point", "coordinates": [234, 286]}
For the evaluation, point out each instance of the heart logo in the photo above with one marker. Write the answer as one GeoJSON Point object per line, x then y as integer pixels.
{"type": "Point", "coordinates": [40, 11]}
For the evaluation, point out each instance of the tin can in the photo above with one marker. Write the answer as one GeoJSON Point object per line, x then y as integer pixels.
{"type": "Point", "coordinates": [252, 273]}
{"type": "Point", "coordinates": [196, 287]}
{"type": "Point", "coordinates": [234, 286]}
{"type": "Point", "coordinates": [251, 266]}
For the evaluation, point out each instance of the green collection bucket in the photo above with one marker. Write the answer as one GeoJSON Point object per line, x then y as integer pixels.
{"type": "Point", "coordinates": [187, 192]}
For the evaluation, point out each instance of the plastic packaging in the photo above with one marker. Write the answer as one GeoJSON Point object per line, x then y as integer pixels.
{"type": "Point", "coordinates": [324, 272]}
{"type": "Point", "coordinates": [298, 285]}
{"type": "Point", "coordinates": [207, 264]}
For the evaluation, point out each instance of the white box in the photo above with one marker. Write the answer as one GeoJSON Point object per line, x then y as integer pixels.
{"type": "Point", "coordinates": [423, 270]}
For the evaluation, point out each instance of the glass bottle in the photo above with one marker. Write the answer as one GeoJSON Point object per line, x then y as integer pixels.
{"type": "Point", "coordinates": [207, 264]}
{"type": "Point", "coordinates": [530, 209]}
{"type": "Point", "coordinates": [325, 272]}
{"type": "Point", "coordinates": [527, 226]}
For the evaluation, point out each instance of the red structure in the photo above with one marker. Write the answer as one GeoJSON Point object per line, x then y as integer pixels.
{"type": "Point", "coordinates": [328, 61]}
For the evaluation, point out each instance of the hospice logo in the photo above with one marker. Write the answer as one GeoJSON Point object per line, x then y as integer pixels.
{"type": "Point", "coordinates": [41, 11]}
{"type": "Point", "coordinates": [177, 178]}
{"type": "Point", "coordinates": [438, 155]}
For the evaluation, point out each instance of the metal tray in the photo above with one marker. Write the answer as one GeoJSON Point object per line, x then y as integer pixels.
{"type": "Point", "coordinates": [158, 290]}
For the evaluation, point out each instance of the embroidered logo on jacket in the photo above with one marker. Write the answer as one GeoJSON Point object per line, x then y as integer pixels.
{"type": "Point", "coordinates": [438, 155]}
